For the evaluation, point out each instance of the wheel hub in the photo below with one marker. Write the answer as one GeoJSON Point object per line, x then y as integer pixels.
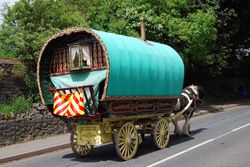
{"type": "Point", "coordinates": [162, 133]}
{"type": "Point", "coordinates": [127, 140]}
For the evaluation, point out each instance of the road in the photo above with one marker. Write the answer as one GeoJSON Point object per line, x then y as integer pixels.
{"type": "Point", "coordinates": [217, 140]}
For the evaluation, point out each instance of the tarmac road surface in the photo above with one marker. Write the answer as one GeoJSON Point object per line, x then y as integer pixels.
{"type": "Point", "coordinates": [217, 140]}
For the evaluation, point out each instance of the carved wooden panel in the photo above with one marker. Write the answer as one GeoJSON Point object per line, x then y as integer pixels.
{"type": "Point", "coordinates": [137, 106]}
{"type": "Point", "coordinates": [148, 105]}
{"type": "Point", "coordinates": [122, 106]}
{"type": "Point", "coordinates": [98, 58]}
{"type": "Point", "coordinates": [60, 60]}
{"type": "Point", "coordinates": [165, 104]}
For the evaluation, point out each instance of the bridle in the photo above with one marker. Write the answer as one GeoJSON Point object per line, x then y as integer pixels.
{"type": "Point", "coordinates": [191, 93]}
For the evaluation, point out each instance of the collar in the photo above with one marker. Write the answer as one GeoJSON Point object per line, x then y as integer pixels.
{"type": "Point", "coordinates": [186, 95]}
{"type": "Point", "coordinates": [195, 91]}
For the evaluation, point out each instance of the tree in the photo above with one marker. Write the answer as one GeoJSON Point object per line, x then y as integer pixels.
{"type": "Point", "coordinates": [186, 26]}
{"type": "Point", "coordinates": [29, 23]}
{"type": "Point", "coordinates": [26, 27]}
{"type": "Point", "coordinates": [239, 38]}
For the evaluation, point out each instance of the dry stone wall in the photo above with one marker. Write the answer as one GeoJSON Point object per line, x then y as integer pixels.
{"type": "Point", "coordinates": [30, 125]}
{"type": "Point", "coordinates": [10, 84]}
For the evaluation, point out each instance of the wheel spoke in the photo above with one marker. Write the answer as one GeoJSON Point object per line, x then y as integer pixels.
{"type": "Point", "coordinates": [122, 143]}
{"type": "Point", "coordinates": [122, 147]}
{"type": "Point", "coordinates": [124, 150]}
{"type": "Point", "coordinates": [131, 130]}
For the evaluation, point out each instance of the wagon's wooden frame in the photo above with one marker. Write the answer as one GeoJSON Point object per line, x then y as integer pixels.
{"type": "Point", "coordinates": [100, 129]}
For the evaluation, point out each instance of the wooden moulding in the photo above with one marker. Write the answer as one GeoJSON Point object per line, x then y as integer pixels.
{"type": "Point", "coordinates": [67, 32]}
{"type": "Point", "coordinates": [165, 104]}
{"type": "Point", "coordinates": [121, 106]}
{"type": "Point", "coordinates": [119, 98]}
{"type": "Point", "coordinates": [146, 105]}
{"type": "Point", "coordinates": [140, 106]}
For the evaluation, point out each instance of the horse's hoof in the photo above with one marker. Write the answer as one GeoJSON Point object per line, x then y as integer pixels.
{"type": "Point", "coordinates": [177, 134]}
{"type": "Point", "coordinates": [186, 135]}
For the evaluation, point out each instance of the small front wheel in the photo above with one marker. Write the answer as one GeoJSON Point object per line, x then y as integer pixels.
{"type": "Point", "coordinates": [126, 141]}
{"type": "Point", "coordinates": [79, 150]}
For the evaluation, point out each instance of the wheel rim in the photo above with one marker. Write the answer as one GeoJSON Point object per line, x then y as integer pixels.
{"type": "Point", "coordinates": [161, 133]}
{"type": "Point", "coordinates": [79, 150]}
{"type": "Point", "coordinates": [126, 141]}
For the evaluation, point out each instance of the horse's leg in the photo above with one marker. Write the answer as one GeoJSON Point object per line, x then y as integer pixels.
{"type": "Point", "coordinates": [177, 129]}
{"type": "Point", "coordinates": [186, 126]}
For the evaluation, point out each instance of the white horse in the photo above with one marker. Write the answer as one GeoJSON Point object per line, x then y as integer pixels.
{"type": "Point", "coordinates": [186, 105]}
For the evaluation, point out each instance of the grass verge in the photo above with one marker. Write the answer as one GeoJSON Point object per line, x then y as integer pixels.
{"type": "Point", "coordinates": [18, 104]}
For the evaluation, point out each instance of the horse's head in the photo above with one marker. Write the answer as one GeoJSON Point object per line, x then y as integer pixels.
{"type": "Point", "coordinates": [198, 93]}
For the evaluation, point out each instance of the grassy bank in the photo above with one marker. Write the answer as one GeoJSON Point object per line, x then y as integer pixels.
{"type": "Point", "coordinates": [18, 104]}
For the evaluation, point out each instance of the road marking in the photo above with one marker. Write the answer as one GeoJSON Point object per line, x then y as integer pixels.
{"type": "Point", "coordinates": [196, 146]}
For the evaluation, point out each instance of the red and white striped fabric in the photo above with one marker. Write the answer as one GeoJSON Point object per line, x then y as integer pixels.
{"type": "Point", "coordinates": [68, 104]}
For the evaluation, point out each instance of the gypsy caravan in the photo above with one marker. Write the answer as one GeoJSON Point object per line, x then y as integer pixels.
{"type": "Point", "coordinates": [112, 88]}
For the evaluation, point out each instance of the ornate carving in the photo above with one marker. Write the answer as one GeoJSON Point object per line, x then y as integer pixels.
{"type": "Point", "coordinates": [122, 106]}
{"type": "Point", "coordinates": [145, 105]}
{"type": "Point", "coordinates": [165, 104]}
{"type": "Point", "coordinates": [140, 106]}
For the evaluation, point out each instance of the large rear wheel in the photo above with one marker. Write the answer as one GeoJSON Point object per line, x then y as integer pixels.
{"type": "Point", "coordinates": [126, 141]}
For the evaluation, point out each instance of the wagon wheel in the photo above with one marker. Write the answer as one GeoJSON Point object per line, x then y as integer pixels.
{"type": "Point", "coordinates": [79, 150]}
{"type": "Point", "coordinates": [126, 141]}
{"type": "Point", "coordinates": [161, 133]}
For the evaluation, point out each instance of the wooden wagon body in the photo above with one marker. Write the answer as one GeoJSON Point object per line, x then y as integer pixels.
{"type": "Point", "coordinates": [129, 86]}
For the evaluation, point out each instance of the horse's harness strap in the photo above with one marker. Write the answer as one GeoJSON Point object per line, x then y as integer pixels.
{"type": "Point", "coordinates": [190, 101]}
{"type": "Point", "coordinates": [186, 95]}
{"type": "Point", "coordinates": [189, 93]}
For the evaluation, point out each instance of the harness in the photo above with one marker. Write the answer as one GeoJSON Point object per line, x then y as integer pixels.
{"type": "Point", "coordinates": [190, 101]}
{"type": "Point", "coordinates": [187, 94]}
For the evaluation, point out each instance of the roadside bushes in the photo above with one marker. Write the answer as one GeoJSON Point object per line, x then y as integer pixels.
{"type": "Point", "coordinates": [18, 104]}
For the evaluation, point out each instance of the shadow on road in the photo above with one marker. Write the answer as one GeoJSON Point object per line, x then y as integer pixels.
{"type": "Point", "coordinates": [108, 153]}
{"type": "Point", "coordinates": [101, 153]}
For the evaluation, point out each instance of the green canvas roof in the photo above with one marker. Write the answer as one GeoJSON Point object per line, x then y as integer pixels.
{"type": "Point", "coordinates": [139, 68]}
{"type": "Point", "coordinates": [135, 68]}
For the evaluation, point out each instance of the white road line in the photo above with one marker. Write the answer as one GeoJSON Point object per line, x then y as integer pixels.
{"type": "Point", "coordinates": [196, 146]}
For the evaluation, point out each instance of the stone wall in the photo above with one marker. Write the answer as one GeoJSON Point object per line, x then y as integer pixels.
{"type": "Point", "coordinates": [31, 125]}
{"type": "Point", "coordinates": [10, 83]}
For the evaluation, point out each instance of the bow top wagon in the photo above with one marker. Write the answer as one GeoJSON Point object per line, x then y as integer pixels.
{"type": "Point", "coordinates": [111, 87]}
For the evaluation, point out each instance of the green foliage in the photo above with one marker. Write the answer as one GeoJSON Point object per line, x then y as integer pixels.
{"type": "Point", "coordinates": [187, 27]}
{"type": "Point", "coordinates": [31, 89]}
{"type": "Point", "coordinates": [18, 104]}
{"type": "Point", "coordinates": [29, 23]}
{"type": "Point", "coordinates": [6, 54]}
